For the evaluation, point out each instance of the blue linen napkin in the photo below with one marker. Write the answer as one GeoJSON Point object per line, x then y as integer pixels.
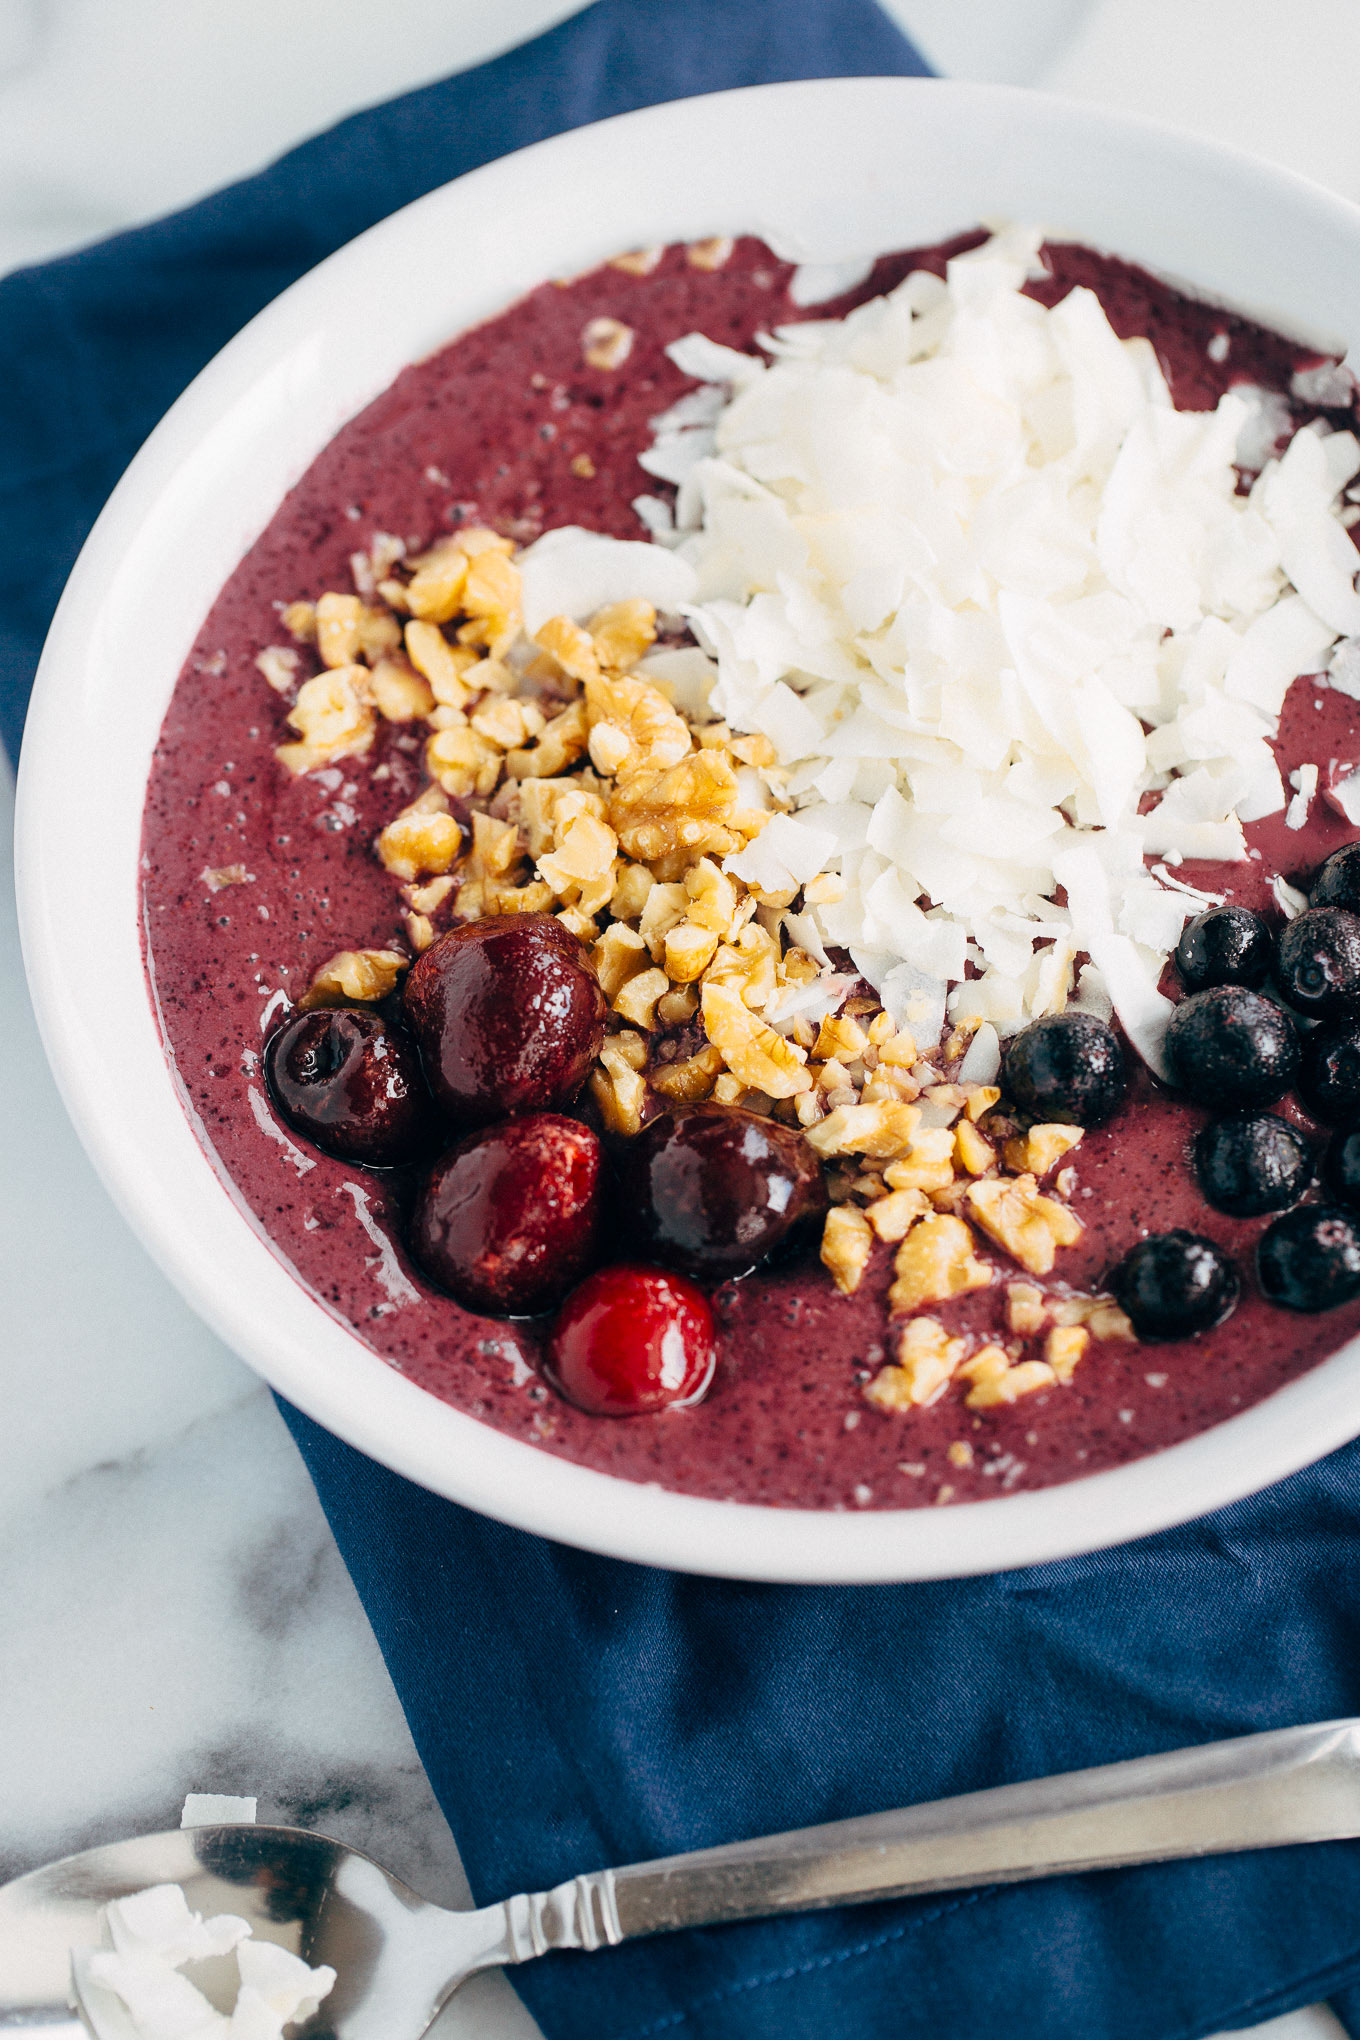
{"type": "Point", "coordinates": [573, 1712]}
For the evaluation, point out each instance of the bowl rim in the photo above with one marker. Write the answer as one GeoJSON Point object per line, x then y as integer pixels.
{"type": "Point", "coordinates": [125, 1101]}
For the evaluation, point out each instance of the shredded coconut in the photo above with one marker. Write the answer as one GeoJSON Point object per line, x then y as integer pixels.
{"type": "Point", "coordinates": [1008, 624]}
{"type": "Point", "coordinates": [132, 1988]}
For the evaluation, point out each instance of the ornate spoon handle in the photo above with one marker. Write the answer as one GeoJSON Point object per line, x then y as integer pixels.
{"type": "Point", "coordinates": [1255, 1792]}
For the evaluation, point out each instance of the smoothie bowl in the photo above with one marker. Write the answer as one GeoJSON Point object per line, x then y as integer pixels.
{"type": "Point", "coordinates": [725, 923]}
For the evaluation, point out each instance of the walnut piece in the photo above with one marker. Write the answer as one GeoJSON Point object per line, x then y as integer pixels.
{"type": "Point", "coordinates": [354, 976]}
{"type": "Point", "coordinates": [934, 1262]}
{"type": "Point", "coordinates": [847, 1243]}
{"type": "Point", "coordinates": [1031, 1227]}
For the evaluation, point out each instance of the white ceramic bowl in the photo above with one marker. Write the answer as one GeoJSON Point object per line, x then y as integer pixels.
{"type": "Point", "coordinates": [826, 171]}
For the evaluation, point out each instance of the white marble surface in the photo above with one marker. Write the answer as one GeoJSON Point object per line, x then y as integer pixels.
{"type": "Point", "coordinates": [174, 1612]}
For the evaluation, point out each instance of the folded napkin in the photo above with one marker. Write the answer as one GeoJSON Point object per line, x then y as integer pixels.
{"type": "Point", "coordinates": [573, 1712]}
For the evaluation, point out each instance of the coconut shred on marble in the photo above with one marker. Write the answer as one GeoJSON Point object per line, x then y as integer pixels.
{"type": "Point", "coordinates": [1012, 623]}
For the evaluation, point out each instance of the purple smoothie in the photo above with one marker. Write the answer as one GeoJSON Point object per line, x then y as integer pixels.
{"type": "Point", "coordinates": [488, 430]}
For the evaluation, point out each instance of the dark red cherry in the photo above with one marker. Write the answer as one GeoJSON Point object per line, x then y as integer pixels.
{"type": "Point", "coordinates": [506, 1221]}
{"type": "Point", "coordinates": [630, 1340]}
{"type": "Point", "coordinates": [351, 1082]}
{"type": "Point", "coordinates": [508, 1014]}
{"type": "Point", "coordinates": [711, 1189]}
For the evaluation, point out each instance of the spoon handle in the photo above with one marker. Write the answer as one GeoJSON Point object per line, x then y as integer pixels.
{"type": "Point", "coordinates": [1254, 1792]}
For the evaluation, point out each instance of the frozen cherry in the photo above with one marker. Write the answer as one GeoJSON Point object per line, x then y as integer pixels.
{"type": "Point", "coordinates": [351, 1082]}
{"type": "Point", "coordinates": [1329, 1072]}
{"type": "Point", "coordinates": [1318, 963]}
{"type": "Point", "coordinates": [1226, 946]}
{"type": "Point", "coordinates": [1231, 1049]}
{"type": "Point", "coordinates": [712, 1190]}
{"type": "Point", "coordinates": [508, 1014]}
{"type": "Point", "coordinates": [630, 1340]}
{"type": "Point", "coordinates": [506, 1221]}
{"type": "Point", "coordinates": [1252, 1163]}
{"type": "Point", "coordinates": [1336, 883]}
{"type": "Point", "coordinates": [1067, 1066]}
{"type": "Point", "coordinates": [1341, 1170]}
{"type": "Point", "coordinates": [1310, 1258]}
{"type": "Point", "coordinates": [1175, 1284]}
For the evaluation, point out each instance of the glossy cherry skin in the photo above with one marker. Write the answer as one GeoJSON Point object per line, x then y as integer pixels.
{"type": "Point", "coordinates": [509, 1017]}
{"type": "Point", "coordinates": [1226, 946]}
{"type": "Point", "coordinates": [1318, 964]}
{"type": "Point", "coordinates": [1231, 1049]}
{"type": "Point", "coordinates": [506, 1221]}
{"type": "Point", "coordinates": [351, 1082]}
{"type": "Point", "coordinates": [1174, 1284]}
{"type": "Point", "coordinates": [632, 1340]}
{"type": "Point", "coordinates": [1067, 1066]}
{"type": "Point", "coordinates": [1310, 1259]}
{"type": "Point", "coordinates": [712, 1189]}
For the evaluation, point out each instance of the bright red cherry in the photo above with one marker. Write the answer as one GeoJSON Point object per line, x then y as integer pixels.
{"type": "Point", "coordinates": [631, 1340]}
{"type": "Point", "coordinates": [506, 1220]}
{"type": "Point", "coordinates": [508, 1014]}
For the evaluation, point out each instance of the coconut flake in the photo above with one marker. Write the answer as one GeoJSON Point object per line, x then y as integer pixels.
{"type": "Point", "coordinates": [1010, 626]}
{"type": "Point", "coordinates": [573, 572]}
{"type": "Point", "coordinates": [216, 1809]}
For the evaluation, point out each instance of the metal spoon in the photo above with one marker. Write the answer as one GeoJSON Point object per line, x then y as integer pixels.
{"type": "Point", "coordinates": [398, 1958]}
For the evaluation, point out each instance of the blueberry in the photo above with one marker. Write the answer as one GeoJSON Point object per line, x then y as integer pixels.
{"type": "Point", "coordinates": [1310, 1258]}
{"type": "Point", "coordinates": [1318, 963]}
{"type": "Point", "coordinates": [1231, 1049]}
{"type": "Point", "coordinates": [1252, 1164]}
{"type": "Point", "coordinates": [1329, 1072]}
{"type": "Point", "coordinates": [1341, 1170]}
{"type": "Point", "coordinates": [1175, 1284]}
{"type": "Point", "coordinates": [1067, 1066]}
{"type": "Point", "coordinates": [1337, 882]}
{"type": "Point", "coordinates": [1226, 946]}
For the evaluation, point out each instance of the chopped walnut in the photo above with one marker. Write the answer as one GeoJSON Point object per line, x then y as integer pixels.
{"type": "Point", "coordinates": [688, 951]}
{"type": "Point", "coordinates": [928, 1160]}
{"type": "Point", "coordinates": [1041, 1149]}
{"type": "Point", "coordinates": [927, 1359]}
{"type": "Point", "coordinates": [1063, 1348]}
{"type": "Point", "coordinates": [435, 591]}
{"type": "Point", "coordinates": [1016, 1214]}
{"type": "Point", "coordinates": [420, 843]}
{"type": "Point", "coordinates": [463, 762]}
{"type": "Point", "coordinates": [570, 645]}
{"type": "Point", "coordinates": [623, 632]}
{"type": "Point", "coordinates": [355, 976]}
{"type": "Point", "coordinates": [883, 1129]}
{"type": "Point", "coordinates": [332, 718]}
{"type": "Point", "coordinates": [1026, 1311]}
{"type": "Point", "coordinates": [400, 694]}
{"type": "Point", "coordinates": [638, 261]}
{"type": "Point", "coordinates": [752, 1051]}
{"type": "Point", "coordinates": [442, 664]}
{"type": "Point", "coordinates": [847, 1243]}
{"type": "Point", "coordinates": [934, 1262]}
{"type": "Point", "coordinates": [688, 1081]}
{"type": "Point", "coordinates": [279, 664]}
{"type": "Point", "coordinates": [561, 744]}
{"type": "Point", "coordinates": [972, 1150]}
{"type": "Point", "coordinates": [337, 629]}
{"type": "Point", "coordinates": [618, 1089]}
{"type": "Point", "coordinates": [637, 999]}
{"type": "Point", "coordinates": [634, 710]}
{"type": "Point", "coordinates": [713, 253]}
{"type": "Point", "coordinates": [997, 1385]}
{"type": "Point", "coordinates": [685, 808]}
{"type": "Point", "coordinates": [606, 343]}
{"type": "Point", "coordinates": [893, 1216]}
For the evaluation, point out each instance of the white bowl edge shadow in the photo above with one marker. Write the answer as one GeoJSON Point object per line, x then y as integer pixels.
{"type": "Point", "coordinates": [826, 170]}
